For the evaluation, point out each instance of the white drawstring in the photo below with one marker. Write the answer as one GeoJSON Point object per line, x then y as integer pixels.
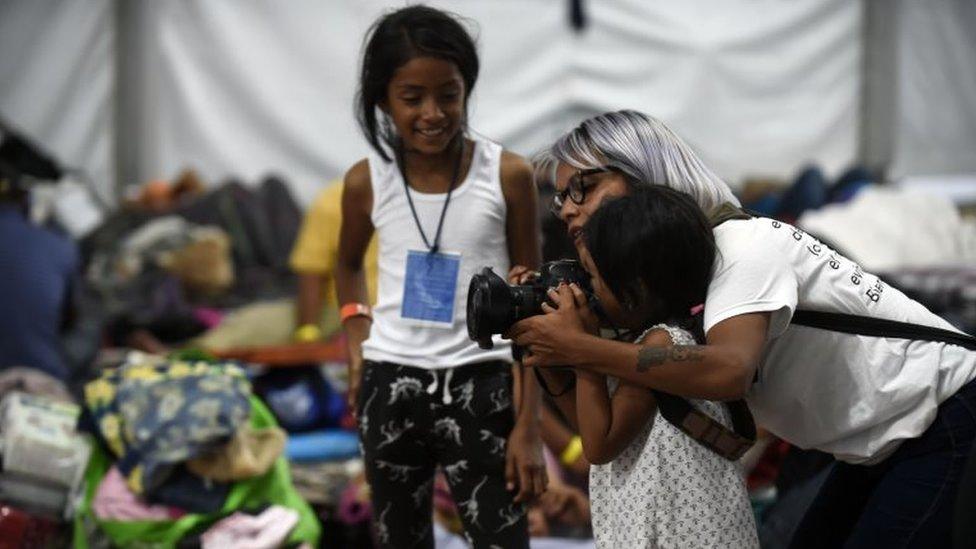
{"type": "Point", "coordinates": [446, 397]}
{"type": "Point", "coordinates": [432, 388]}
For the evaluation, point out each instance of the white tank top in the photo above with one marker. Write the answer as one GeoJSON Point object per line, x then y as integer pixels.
{"type": "Point", "coordinates": [473, 237]}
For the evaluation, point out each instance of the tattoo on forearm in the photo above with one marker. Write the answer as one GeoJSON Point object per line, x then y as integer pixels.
{"type": "Point", "coordinates": [649, 357]}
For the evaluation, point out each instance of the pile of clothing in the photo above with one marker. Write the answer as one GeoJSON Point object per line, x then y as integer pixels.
{"type": "Point", "coordinates": [914, 236]}
{"type": "Point", "coordinates": [43, 460]}
{"type": "Point", "coordinates": [160, 276]}
{"type": "Point", "coordinates": [186, 455]}
{"type": "Point", "coordinates": [323, 447]}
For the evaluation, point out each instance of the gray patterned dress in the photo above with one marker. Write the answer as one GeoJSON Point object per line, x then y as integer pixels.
{"type": "Point", "coordinates": [666, 490]}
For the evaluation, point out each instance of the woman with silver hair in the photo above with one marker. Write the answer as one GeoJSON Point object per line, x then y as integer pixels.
{"type": "Point", "coordinates": [827, 356]}
{"type": "Point", "coordinates": [640, 147]}
{"type": "Point", "coordinates": [650, 484]}
{"type": "Point", "coordinates": [608, 154]}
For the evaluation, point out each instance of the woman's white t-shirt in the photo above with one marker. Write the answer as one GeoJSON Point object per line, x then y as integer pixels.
{"type": "Point", "coordinates": [857, 397]}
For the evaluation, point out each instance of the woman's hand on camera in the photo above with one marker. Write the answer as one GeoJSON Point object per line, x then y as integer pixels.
{"type": "Point", "coordinates": [574, 300]}
{"type": "Point", "coordinates": [569, 300]}
{"type": "Point", "coordinates": [548, 336]}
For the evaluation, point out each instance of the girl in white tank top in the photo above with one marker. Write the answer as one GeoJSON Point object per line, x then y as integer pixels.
{"type": "Point", "coordinates": [443, 206]}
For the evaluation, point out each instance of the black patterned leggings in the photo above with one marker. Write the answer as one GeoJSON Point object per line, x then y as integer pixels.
{"type": "Point", "coordinates": [412, 420]}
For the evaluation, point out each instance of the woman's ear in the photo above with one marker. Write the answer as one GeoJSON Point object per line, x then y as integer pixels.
{"type": "Point", "coordinates": [384, 106]}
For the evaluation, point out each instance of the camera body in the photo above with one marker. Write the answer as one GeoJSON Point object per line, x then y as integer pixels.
{"type": "Point", "coordinates": [494, 305]}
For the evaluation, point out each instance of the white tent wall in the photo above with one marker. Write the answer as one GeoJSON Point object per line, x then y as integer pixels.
{"type": "Point", "coordinates": [239, 88]}
{"type": "Point", "coordinates": [57, 78]}
{"type": "Point", "coordinates": [756, 86]}
{"type": "Point", "coordinates": [934, 127]}
{"type": "Point", "coordinates": [248, 87]}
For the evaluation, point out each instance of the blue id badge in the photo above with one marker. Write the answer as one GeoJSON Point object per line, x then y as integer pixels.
{"type": "Point", "coordinates": [430, 287]}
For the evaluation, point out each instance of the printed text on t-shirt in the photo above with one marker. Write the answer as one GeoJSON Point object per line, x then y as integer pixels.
{"type": "Point", "coordinates": [817, 249]}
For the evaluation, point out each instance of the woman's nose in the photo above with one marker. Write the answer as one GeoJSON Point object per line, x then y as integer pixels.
{"type": "Point", "coordinates": [569, 210]}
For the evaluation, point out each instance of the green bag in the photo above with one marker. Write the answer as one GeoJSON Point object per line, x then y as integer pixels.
{"type": "Point", "coordinates": [274, 487]}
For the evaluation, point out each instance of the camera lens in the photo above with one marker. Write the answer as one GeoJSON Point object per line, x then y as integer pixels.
{"type": "Point", "coordinates": [489, 303]}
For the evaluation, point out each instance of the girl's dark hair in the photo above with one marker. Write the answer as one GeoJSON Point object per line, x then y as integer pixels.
{"type": "Point", "coordinates": [395, 39]}
{"type": "Point", "coordinates": [653, 246]}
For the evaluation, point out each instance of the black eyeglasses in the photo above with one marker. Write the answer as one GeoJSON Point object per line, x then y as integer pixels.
{"type": "Point", "coordinates": [576, 188]}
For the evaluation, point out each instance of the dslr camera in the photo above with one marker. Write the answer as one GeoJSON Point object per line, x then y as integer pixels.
{"type": "Point", "coordinates": [494, 305]}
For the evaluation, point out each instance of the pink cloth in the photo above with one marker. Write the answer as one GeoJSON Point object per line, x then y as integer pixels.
{"type": "Point", "coordinates": [354, 505]}
{"type": "Point", "coordinates": [443, 500]}
{"type": "Point", "coordinates": [114, 501]}
{"type": "Point", "coordinates": [242, 531]}
{"type": "Point", "coordinates": [211, 318]}
{"type": "Point", "coordinates": [554, 469]}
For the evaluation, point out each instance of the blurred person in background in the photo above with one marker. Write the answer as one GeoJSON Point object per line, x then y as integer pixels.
{"type": "Point", "coordinates": [314, 258]}
{"type": "Point", "coordinates": [38, 269]}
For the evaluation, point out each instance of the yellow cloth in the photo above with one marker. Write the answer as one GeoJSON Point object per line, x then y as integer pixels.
{"type": "Point", "coordinates": [261, 324]}
{"type": "Point", "coordinates": [317, 247]}
{"type": "Point", "coordinates": [249, 454]}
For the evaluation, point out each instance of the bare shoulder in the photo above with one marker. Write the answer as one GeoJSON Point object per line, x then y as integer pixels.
{"type": "Point", "coordinates": [516, 179]}
{"type": "Point", "coordinates": [357, 193]}
{"type": "Point", "coordinates": [658, 337]}
{"type": "Point", "coordinates": [357, 177]}
{"type": "Point", "coordinates": [515, 169]}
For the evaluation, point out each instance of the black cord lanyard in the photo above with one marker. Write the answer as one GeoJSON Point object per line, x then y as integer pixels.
{"type": "Point", "coordinates": [440, 223]}
{"type": "Point", "coordinates": [619, 335]}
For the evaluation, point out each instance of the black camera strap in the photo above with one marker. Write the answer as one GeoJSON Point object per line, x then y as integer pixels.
{"type": "Point", "coordinates": [678, 411]}
{"type": "Point", "coordinates": [854, 324]}
{"type": "Point", "coordinates": [706, 430]}
{"type": "Point", "coordinates": [879, 327]}
{"type": "Point", "coordinates": [594, 304]}
{"type": "Point", "coordinates": [545, 386]}
{"type": "Point", "coordinates": [701, 427]}
{"type": "Point", "coordinates": [733, 443]}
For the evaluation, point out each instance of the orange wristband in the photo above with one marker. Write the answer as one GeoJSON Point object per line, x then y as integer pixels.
{"type": "Point", "coordinates": [350, 310]}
